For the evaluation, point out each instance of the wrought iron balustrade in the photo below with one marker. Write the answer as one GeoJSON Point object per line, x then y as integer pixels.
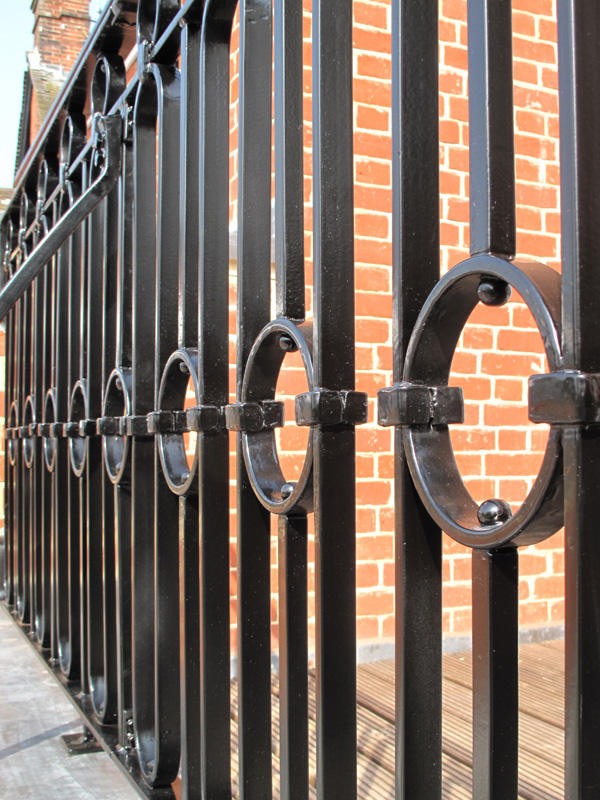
{"type": "Point", "coordinates": [116, 258]}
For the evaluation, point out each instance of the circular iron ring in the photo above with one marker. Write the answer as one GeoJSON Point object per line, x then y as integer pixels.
{"type": "Point", "coordinates": [117, 404]}
{"type": "Point", "coordinates": [13, 422]}
{"type": "Point", "coordinates": [259, 447]}
{"type": "Point", "coordinates": [428, 362]}
{"type": "Point", "coordinates": [28, 441]}
{"type": "Point", "coordinates": [181, 367]}
{"type": "Point", "coordinates": [78, 411]}
{"type": "Point", "coordinates": [50, 418]}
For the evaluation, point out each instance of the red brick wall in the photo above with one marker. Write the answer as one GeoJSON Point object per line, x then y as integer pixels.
{"type": "Point", "coordinates": [498, 450]}
{"type": "Point", "coordinates": [60, 29]}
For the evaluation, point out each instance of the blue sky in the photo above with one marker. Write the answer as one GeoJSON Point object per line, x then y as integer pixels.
{"type": "Point", "coordinates": [16, 22]}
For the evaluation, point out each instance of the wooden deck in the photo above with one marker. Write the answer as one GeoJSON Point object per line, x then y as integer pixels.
{"type": "Point", "coordinates": [541, 769]}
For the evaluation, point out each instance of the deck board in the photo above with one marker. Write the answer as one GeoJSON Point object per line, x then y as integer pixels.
{"type": "Point", "coordinates": [541, 734]}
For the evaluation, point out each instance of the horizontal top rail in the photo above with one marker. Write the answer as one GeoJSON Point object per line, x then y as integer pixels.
{"type": "Point", "coordinates": [108, 148]}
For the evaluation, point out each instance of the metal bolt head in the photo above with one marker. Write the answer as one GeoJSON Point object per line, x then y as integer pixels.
{"type": "Point", "coordinates": [287, 490]}
{"type": "Point", "coordinates": [183, 367]}
{"type": "Point", "coordinates": [494, 512]}
{"type": "Point", "coordinates": [493, 291]}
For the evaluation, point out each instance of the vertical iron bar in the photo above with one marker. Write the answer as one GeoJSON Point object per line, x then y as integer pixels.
{"type": "Point", "coordinates": [253, 301]}
{"type": "Point", "coordinates": [101, 597]}
{"type": "Point", "coordinates": [80, 483]}
{"type": "Point", "coordinates": [166, 545]}
{"type": "Point", "coordinates": [495, 674]}
{"type": "Point", "coordinates": [94, 523]}
{"type": "Point", "coordinates": [67, 489]}
{"type": "Point", "coordinates": [334, 447]}
{"type": "Point", "coordinates": [289, 169]}
{"type": "Point", "coordinates": [8, 470]}
{"type": "Point", "coordinates": [213, 376]}
{"type": "Point", "coordinates": [289, 270]}
{"type": "Point", "coordinates": [293, 657]}
{"type": "Point", "coordinates": [24, 595]}
{"type": "Point", "coordinates": [155, 550]}
{"type": "Point", "coordinates": [142, 402]}
{"type": "Point", "coordinates": [491, 132]}
{"type": "Point", "coordinates": [579, 81]}
{"type": "Point", "coordinates": [110, 247]}
{"type": "Point", "coordinates": [189, 557]}
{"type": "Point", "coordinates": [44, 384]}
{"type": "Point", "coordinates": [60, 505]}
{"type": "Point", "coordinates": [38, 618]}
{"type": "Point", "coordinates": [493, 229]}
{"type": "Point", "coordinates": [122, 491]}
{"type": "Point", "coordinates": [418, 548]}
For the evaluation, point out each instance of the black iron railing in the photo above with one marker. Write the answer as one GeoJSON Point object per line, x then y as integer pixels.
{"type": "Point", "coordinates": [116, 252]}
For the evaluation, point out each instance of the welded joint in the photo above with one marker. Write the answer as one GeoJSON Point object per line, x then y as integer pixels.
{"type": "Point", "coordinates": [254, 417]}
{"type": "Point", "coordinates": [413, 404]}
{"type": "Point", "coordinates": [327, 407]}
{"type": "Point", "coordinates": [565, 398]}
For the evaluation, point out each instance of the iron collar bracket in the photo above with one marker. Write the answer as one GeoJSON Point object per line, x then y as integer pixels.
{"type": "Point", "coordinates": [254, 417]}
{"type": "Point", "coordinates": [325, 407]}
{"type": "Point", "coordinates": [565, 397]}
{"type": "Point", "coordinates": [414, 404]}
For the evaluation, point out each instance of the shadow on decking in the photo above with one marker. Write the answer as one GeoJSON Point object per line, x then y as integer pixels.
{"type": "Point", "coordinates": [541, 732]}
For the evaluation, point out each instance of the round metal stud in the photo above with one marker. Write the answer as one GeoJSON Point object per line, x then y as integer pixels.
{"type": "Point", "coordinates": [494, 512]}
{"type": "Point", "coordinates": [493, 292]}
{"type": "Point", "coordinates": [429, 448]}
{"type": "Point", "coordinates": [180, 369]}
{"type": "Point", "coordinates": [287, 490]}
{"type": "Point", "coordinates": [259, 447]}
{"type": "Point", "coordinates": [117, 403]}
{"type": "Point", "coordinates": [287, 344]}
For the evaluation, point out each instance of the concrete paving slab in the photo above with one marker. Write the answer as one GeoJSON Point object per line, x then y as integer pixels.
{"type": "Point", "coordinates": [34, 714]}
